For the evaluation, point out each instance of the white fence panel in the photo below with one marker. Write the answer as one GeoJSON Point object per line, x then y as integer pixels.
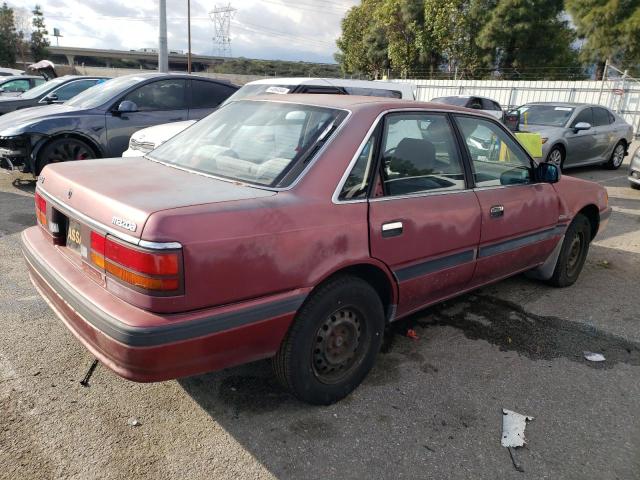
{"type": "Point", "coordinates": [621, 96]}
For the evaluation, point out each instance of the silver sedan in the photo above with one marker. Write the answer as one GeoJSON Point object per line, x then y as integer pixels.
{"type": "Point", "coordinates": [576, 134]}
{"type": "Point", "coordinates": [634, 170]}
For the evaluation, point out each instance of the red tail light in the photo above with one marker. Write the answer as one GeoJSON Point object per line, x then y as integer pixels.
{"type": "Point", "coordinates": [41, 209]}
{"type": "Point", "coordinates": [142, 269]}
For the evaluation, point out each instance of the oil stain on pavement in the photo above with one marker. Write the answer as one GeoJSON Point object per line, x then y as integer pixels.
{"type": "Point", "coordinates": [509, 326]}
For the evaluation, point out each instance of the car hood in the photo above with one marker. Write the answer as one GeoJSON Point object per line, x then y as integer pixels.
{"type": "Point", "coordinates": [161, 133]}
{"type": "Point", "coordinates": [15, 119]}
{"type": "Point", "coordinates": [134, 188]}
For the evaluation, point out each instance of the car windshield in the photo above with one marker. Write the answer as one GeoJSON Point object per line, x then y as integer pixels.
{"type": "Point", "coordinates": [547, 115]}
{"type": "Point", "coordinates": [103, 92]}
{"type": "Point", "coordinates": [260, 142]}
{"type": "Point", "coordinates": [458, 101]}
{"type": "Point", "coordinates": [35, 92]}
{"type": "Point", "coordinates": [258, 89]}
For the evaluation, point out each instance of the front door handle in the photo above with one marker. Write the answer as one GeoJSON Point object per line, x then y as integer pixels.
{"type": "Point", "coordinates": [391, 229]}
{"type": "Point", "coordinates": [496, 211]}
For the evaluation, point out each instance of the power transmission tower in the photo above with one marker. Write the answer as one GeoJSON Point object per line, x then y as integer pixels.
{"type": "Point", "coordinates": [221, 17]}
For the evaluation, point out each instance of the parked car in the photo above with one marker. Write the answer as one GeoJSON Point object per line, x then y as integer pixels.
{"type": "Point", "coordinates": [575, 134]}
{"type": "Point", "coordinates": [338, 86]}
{"type": "Point", "coordinates": [293, 227]}
{"type": "Point", "coordinates": [57, 90]}
{"type": "Point", "coordinates": [99, 122]}
{"type": "Point", "coordinates": [143, 141]}
{"type": "Point", "coordinates": [12, 86]}
{"type": "Point", "coordinates": [6, 72]}
{"type": "Point", "coordinates": [634, 170]}
{"type": "Point", "coordinates": [483, 104]}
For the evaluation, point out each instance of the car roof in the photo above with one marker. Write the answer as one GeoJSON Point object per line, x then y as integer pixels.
{"type": "Point", "coordinates": [17, 77]}
{"type": "Point", "coordinates": [565, 104]}
{"type": "Point", "coordinates": [467, 96]}
{"type": "Point", "coordinates": [356, 102]}
{"type": "Point", "coordinates": [334, 82]}
{"type": "Point", "coordinates": [147, 75]}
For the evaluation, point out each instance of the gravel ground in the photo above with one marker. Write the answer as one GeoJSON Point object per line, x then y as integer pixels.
{"type": "Point", "coordinates": [431, 408]}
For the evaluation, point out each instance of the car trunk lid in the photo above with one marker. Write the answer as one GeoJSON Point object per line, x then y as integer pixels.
{"type": "Point", "coordinates": [121, 193]}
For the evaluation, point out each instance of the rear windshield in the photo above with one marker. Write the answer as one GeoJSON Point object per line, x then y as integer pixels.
{"type": "Point", "coordinates": [457, 101]}
{"type": "Point", "coordinates": [261, 142]}
{"type": "Point", "coordinates": [259, 89]}
{"type": "Point", "coordinates": [548, 115]}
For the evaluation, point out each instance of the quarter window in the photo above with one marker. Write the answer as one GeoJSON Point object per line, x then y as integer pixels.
{"type": "Point", "coordinates": [357, 183]}
{"type": "Point", "coordinates": [160, 95]}
{"type": "Point", "coordinates": [496, 158]}
{"type": "Point", "coordinates": [419, 155]}
{"type": "Point", "coordinates": [600, 117]}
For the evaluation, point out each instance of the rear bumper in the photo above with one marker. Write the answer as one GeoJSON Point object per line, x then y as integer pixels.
{"type": "Point", "coordinates": [145, 346]}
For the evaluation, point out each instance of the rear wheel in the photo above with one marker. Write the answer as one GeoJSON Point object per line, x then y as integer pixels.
{"type": "Point", "coordinates": [333, 341]}
{"type": "Point", "coordinates": [64, 150]}
{"type": "Point", "coordinates": [573, 254]}
{"type": "Point", "coordinates": [556, 157]}
{"type": "Point", "coordinates": [617, 156]}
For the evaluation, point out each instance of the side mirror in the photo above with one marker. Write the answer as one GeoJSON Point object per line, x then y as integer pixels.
{"type": "Point", "coordinates": [548, 173]}
{"type": "Point", "coordinates": [127, 106]}
{"type": "Point", "coordinates": [512, 120]}
{"type": "Point", "coordinates": [581, 126]}
{"type": "Point", "coordinates": [52, 97]}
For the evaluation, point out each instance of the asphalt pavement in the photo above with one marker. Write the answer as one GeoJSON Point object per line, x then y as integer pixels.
{"type": "Point", "coordinates": [431, 408]}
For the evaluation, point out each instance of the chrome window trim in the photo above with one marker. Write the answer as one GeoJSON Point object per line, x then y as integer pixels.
{"type": "Point", "coordinates": [70, 211]}
{"type": "Point", "coordinates": [300, 176]}
{"type": "Point", "coordinates": [421, 194]}
{"type": "Point", "coordinates": [336, 194]}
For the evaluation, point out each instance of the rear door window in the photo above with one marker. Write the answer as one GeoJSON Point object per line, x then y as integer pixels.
{"type": "Point", "coordinates": [21, 85]}
{"type": "Point", "coordinates": [489, 104]}
{"type": "Point", "coordinates": [72, 89]}
{"type": "Point", "coordinates": [208, 94]}
{"type": "Point", "coordinates": [373, 92]}
{"type": "Point", "coordinates": [600, 117]}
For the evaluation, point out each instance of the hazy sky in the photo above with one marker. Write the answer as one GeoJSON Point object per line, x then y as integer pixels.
{"type": "Point", "coordinates": [273, 29]}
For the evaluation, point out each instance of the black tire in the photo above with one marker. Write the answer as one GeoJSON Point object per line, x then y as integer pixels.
{"type": "Point", "coordinates": [635, 186]}
{"type": "Point", "coordinates": [617, 156]}
{"type": "Point", "coordinates": [573, 254]}
{"type": "Point", "coordinates": [63, 150]}
{"type": "Point", "coordinates": [556, 156]}
{"type": "Point", "coordinates": [333, 341]}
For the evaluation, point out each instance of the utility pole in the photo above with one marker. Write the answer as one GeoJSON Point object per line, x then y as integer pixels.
{"type": "Point", "coordinates": [189, 36]}
{"type": "Point", "coordinates": [163, 57]}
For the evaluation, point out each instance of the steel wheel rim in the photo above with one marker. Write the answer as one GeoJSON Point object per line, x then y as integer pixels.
{"type": "Point", "coordinates": [555, 158]}
{"type": "Point", "coordinates": [70, 150]}
{"type": "Point", "coordinates": [575, 253]}
{"type": "Point", "coordinates": [339, 345]}
{"type": "Point", "coordinates": [618, 155]}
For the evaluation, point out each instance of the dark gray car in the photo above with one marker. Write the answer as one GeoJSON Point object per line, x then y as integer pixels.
{"type": "Point", "coordinates": [98, 122]}
{"type": "Point", "coordinates": [57, 90]}
{"type": "Point", "coordinates": [576, 134]}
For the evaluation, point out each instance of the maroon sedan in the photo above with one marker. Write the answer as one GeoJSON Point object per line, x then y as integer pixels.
{"type": "Point", "coordinates": [297, 228]}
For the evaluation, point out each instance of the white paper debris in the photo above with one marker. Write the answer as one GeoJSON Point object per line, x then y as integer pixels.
{"type": "Point", "coordinates": [513, 428]}
{"type": "Point", "coordinates": [594, 357]}
{"type": "Point", "coordinates": [134, 422]}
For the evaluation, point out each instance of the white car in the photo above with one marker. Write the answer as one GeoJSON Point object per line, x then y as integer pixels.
{"type": "Point", "coordinates": [484, 104]}
{"type": "Point", "coordinates": [145, 140]}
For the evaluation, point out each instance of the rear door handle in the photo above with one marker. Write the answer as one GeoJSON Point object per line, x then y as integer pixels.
{"type": "Point", "coordinates": [391, 229]}
{"type": "Point", "coordinates": [496, 211]}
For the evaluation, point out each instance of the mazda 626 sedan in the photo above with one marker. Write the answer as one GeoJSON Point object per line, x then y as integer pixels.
{"type": "Point", "coordinates": [296, 228]}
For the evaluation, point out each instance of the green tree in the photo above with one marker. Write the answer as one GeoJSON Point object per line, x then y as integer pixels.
{"type": "Point", "coordinates": [39, 41]}
{"type": "Point", "coordinates": [526, 36]}
{"type": "Point", "coordinates": [610, 29]}
{"type": "Point", "coordinates": [8, 36]}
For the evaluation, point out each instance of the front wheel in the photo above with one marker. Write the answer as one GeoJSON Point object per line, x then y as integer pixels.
{"type": "Point", "coordinates": [333, 341]}
{"type": "Point", "coordinates": [556, 157]}
{"type": "Point", "coordinates": [617, 157]}
{"type": "Point", "coordinates": [63, 150]}
{"type": "Point", "coordinates": [573, 253]}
